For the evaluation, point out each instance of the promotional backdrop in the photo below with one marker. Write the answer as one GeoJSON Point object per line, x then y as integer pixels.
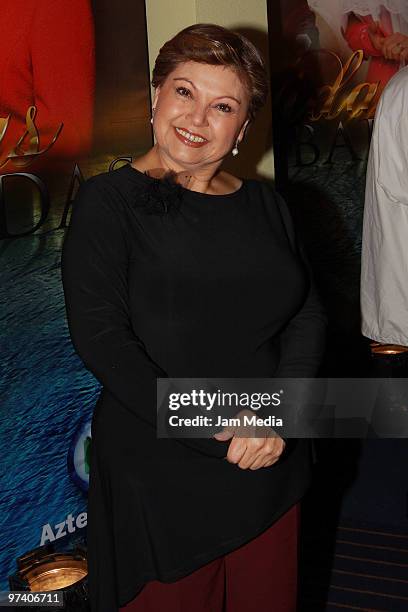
{"type": "Point", "coordinates": [327, 78]}
{"type": "Point", "coordinates": [74, 100]}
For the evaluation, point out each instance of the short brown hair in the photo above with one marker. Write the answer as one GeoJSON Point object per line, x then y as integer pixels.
{"type": "Point", "coordinates": [212, 44]}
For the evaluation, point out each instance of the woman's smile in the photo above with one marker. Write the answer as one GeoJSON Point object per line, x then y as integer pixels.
{"type": "Point", "coordinates": [189, 138]}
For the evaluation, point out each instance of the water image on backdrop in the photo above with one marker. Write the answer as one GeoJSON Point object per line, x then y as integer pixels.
{"type": "Point", "coordinates": [74, 101]}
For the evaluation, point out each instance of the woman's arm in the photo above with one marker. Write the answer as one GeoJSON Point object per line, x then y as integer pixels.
{"type": "Point", "coordinates": [94, 274]}
{"type": "Point", "coordinates": [301, 348]}
{"type": "Point", "coordinates": [302, 342]}
{"type": "Point", "coordinates": [366, 34]}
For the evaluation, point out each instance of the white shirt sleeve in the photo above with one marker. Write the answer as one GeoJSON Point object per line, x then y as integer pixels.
{"type": "Point", "coordinates": [392, 134]}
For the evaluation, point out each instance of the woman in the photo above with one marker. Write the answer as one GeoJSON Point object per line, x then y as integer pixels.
{"type": "Point", "coordinates": [191, 278]}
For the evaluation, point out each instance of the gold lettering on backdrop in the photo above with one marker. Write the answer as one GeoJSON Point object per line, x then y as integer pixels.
{"type": "Point", "coordinates": [3, 126]}
{"type": "Point", "coordinates": [24, 156]}
{"type": "Point", "coordinates": [333, 99]}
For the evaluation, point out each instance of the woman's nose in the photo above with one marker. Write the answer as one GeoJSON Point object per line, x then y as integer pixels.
{"type": "Point", "coordinates": [198, 115]}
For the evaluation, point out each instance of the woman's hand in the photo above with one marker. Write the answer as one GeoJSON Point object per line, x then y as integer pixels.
{"type": "Point", "coordinates": [376, 36]}
{"type": "Point", "coordinates": [251, 447]}
{"type": "Point", "coordinates": [395, 47]}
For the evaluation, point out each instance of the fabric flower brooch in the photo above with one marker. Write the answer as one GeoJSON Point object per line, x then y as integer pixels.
{"type": "Point", "coordinates": [164, 192]}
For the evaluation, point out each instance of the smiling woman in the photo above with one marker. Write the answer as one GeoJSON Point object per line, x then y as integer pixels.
{"type": "Point", "coordinates": [159, 278]}
{"type": "Point", "coordinates": [209, 84]}
{"type": "Point", "coordinates": [199, 107]}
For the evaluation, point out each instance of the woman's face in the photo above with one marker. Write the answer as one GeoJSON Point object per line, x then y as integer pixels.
{"type": "Point", "coordinates": [200, 112]}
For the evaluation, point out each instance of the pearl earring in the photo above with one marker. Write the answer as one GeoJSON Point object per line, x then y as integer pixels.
{"type": "Point", "coordinates": [151, 119]}
{"type": "Point", "coordinates": [235, 150]}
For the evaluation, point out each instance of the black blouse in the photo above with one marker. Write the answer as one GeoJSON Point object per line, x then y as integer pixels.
{"type": "Point", "coordinates": [161, 281]}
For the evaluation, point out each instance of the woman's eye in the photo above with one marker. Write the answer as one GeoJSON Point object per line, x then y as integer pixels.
{"type": "Point", "coordinates": [225, 108]}
{"type": "Point", "coordinates": [183, 91]}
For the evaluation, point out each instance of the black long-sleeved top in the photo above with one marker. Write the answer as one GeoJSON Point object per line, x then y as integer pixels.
{"type": "Point", "coordinates": [161, 281]}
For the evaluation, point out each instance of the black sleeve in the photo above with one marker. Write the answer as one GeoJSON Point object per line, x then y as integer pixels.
{"type": "Point", "coordinates": [302, 342]}
{"type": "Point", "coordinates": [94, 274]}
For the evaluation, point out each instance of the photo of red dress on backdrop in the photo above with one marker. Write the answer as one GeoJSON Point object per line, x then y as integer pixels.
{"type": "Point", "coordinates": [378, 27]}
{"type": "Point", "coordinates": [47, 79]}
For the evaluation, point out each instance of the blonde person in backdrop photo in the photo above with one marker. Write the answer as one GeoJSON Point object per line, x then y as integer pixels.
{"type": "Point", "coordinates": [173, 267]}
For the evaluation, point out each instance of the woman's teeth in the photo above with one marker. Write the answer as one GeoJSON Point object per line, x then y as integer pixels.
{"type": "Point", "coordinates": [189, 136]}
